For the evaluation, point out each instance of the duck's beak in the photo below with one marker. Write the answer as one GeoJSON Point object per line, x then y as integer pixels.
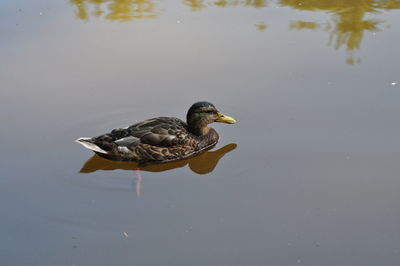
{"type": "Point", "coordinates": [225, 119]}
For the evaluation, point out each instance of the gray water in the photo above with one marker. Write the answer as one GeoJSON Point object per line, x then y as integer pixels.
{"type": "Point", "coordinates": [309, 175]}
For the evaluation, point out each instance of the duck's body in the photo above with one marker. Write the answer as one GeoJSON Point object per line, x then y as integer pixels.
{"type": "Point", "coordinates": [162, 139]}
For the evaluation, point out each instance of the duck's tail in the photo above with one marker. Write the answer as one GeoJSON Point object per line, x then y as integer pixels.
{"type": "Point", "coordinates": [87, 143]}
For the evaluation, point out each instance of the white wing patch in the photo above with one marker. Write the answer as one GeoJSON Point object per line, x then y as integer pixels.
{"type": "Point", "coordinates": [127, 141]}
{"type": "Point", "coordinates": [124, 149]}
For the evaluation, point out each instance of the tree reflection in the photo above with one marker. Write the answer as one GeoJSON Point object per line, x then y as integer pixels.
{"type": "Point", "coordinates": [120, 10]}
{"type": "Point", "coordinates": [300, 25]}
{"type": "Point", "coordinates": [127, 10]}
{"type": "Point", "coordinates": [196, 5]}
{"type": "Point", "coordinates": [349, 23]}
{"type": "Point", "coordinates": [347, 27]}
{"type": "Point", "coordinates": [261, 26]}
{"type": "Point", "coordinates": [256, 3]}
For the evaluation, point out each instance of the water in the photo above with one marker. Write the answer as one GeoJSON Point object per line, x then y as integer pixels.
{"type": "Point", "coordinates": [308, 176]}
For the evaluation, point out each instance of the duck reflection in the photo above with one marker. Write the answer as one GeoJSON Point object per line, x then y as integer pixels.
{"type": "Point", "coordinates": [201, 164]}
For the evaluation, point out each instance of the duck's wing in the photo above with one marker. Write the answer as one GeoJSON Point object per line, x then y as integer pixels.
{"type": "Point", "coordinates": [161, 132]}
{"type": "Point", "coordinates": [158, 132]}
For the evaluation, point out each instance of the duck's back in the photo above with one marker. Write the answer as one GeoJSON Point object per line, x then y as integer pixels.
{"type": "Point", "coordinates": [160, 131]}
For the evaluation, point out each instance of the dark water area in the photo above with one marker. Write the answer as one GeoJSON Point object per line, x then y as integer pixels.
{"type": "Point", "coordinates": [309, 175]}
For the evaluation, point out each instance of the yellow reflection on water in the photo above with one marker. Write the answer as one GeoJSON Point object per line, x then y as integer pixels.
{"type": "Point", "coordinates": [261, 26]}
{"type": "Point", "coordinates": [347, 26]}
{"type": "Point", "coordinates": [197, 5]}
{"type": "Point", "coordinates": [128, 10]}
{"type": "Point", "coordinates": [300, 25]}
{"type": "Point", "coordinates": [120, 10]}
{"type": "Point", "coordinates": [349, 23]}
{"type": "Point", "coordinates": [256, 3]}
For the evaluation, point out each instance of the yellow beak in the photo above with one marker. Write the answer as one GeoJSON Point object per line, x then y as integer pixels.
{"type": "Point", "coordinates": [225, 119]}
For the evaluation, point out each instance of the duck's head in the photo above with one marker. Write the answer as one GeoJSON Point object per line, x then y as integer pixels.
{"type": "Point", "coordinates": [201, 114]}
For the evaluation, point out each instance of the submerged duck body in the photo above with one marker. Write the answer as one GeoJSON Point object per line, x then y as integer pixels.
{"type": "Point", "coordinates": [161, 139]}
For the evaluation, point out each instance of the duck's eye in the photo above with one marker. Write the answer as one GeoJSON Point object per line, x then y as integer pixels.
{"type": "Point", "coordinates": [209, 112]}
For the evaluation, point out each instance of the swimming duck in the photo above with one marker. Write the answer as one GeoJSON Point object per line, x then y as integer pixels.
{"type": "Point", "coordinates": [161, 139]}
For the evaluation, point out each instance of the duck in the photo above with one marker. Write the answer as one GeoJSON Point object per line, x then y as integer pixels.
{"type": "Point", "coordinates": [161, 139]}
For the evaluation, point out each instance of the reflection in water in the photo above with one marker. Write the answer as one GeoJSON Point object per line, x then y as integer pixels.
{"type": "Point", "coordinates": [300, 25]}
{"type": "Point", "coordinates": [261, 26]}
{"type": "Point", "coordinates": [346, 28]}
{"type": "Point", "coordinates": [201, 164]}
{"type": "Point", "coordinates": [127, 10]}
{"type": "Point", "coordinates": [121, 10]}
{"type": "Point", "coordinates": [256, 3]}
{"type": "Point", "coordinates": [349, 24]}
{"type": "Point", "coordinates": [197, 5]}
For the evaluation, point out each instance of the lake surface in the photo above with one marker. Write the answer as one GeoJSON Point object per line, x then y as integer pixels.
{"type": "Point", "coordinates": [310, 174]}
